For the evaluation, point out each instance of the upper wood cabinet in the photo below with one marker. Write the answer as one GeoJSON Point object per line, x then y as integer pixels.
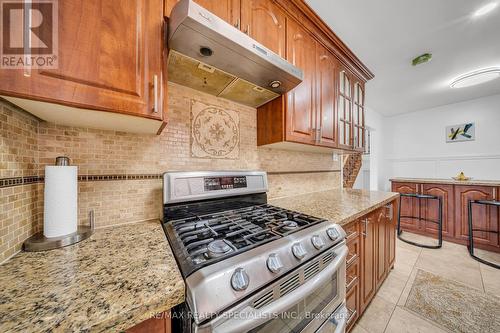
{"type": "Point", "coordinates": [326, 83]}
{"type": "Point", "coordinates": [109, 59]}
{"type": "Point", "coordinates": [358, 117]}
{"type": "Point", "coordinates": [307, 113]}
{"type": "Point", "coordinates": [266, 23]}
{"type": "Point", "coordinates": [327, 109]}
{"type": "Point", "coordinates": [300, 102]}
{"type": "Point", "coordinates": [344, 110]}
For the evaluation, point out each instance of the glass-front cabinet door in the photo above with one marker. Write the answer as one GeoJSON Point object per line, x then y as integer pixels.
{"type": "Point", "coordinates": [359, 118]}
{"type": "Point", "coordinates": [344, 111]}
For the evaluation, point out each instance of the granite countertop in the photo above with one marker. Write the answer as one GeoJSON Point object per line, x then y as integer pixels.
{"type": "Point", "coordinates": [117, 278]}
{"type": "Point", "coordinates": [450, 181]}
{"type": "Point", "coordinates": [339, 206]}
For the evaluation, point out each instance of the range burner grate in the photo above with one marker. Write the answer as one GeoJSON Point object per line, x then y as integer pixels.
{"type": "Point", "coordinates": [208, 238]}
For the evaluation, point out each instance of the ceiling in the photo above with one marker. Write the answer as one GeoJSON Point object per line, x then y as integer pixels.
{"type": "Point", "coordinates": [387, 34]}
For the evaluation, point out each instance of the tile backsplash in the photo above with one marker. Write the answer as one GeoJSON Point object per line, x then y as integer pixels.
{"type": "Point", "coordinates": [29, 144]}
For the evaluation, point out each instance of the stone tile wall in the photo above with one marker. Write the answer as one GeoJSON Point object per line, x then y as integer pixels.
{"type": "Point", "coordinates": [28, 145]}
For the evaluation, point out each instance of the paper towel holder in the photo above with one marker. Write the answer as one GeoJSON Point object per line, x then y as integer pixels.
{"type": "Point", "coordinates": [39, 242]}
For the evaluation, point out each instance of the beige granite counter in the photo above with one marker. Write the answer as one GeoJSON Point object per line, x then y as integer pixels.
{"type": "Point", "coordinates": [109, 282]}
{"type": "Point", "coordinates": [450, 181]}
{"type": "Point", "coordinates": [339, 206]}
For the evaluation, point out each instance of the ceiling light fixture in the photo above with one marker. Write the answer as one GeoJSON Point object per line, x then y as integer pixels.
{"type": "Point", "coordinates": [485, 9]}
{"type": "Point", "coordinates": [476, 77]}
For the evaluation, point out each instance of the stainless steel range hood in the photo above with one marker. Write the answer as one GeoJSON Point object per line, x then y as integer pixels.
{"type": "Point", "coordinates": [210, 55]}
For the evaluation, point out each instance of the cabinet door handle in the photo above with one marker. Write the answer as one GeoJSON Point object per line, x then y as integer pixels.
{"type": "Point", "coordinates": [237, 24]}
{"type": "Point", "coordinates": [155, 93]}
{"type": "Point", "coordinates": [389, 211]}
{"type": "Point", "coordinates": [365, 232]}
{"type": "Point", "coordinates": [247, 30]}
{"type": "Point", "coordinates": [318, 134]}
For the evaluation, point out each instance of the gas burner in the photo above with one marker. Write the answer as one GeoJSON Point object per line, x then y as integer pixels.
{"type": "Point", "coordinates": [219, 247]}
{"type": "Point", "coordinates": [205, 239]}
{"type": "Point", "coordinates": [290, 225]}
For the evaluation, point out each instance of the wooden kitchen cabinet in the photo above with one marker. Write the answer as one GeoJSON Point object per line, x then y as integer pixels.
{"type": "Point", "coordinates": [358, 117]}
{"type": "Point", "coordinates": [381, 248]}
{"type": "Point", "coordinates": [455, 198]}
{"type": "Point", "coordinates": [430, 210]}
{"type": "Point", "coordinates": [409, 206]}
{"type": "Point", "coordinates": [371, 243]}
{"type": "Point", "coordinates": [265, 22]}
{"type": "Point", "coordinates": [326, 68]}
{"type": "Point", "coordinates": [160, 324]}
{"type": "Point", "coordinates": [307, 113]}
{"type": "Point", "coordinates": [368, 260]}
{"type": "Point", "coordinates": [109, 56]}
{"type": "Point", "coordinates": [344, 110]}
{"type": "Point", "coordinates": [301, 113]}
{"type": "Point", "coordinates": [391, 220]}
{"type": "Point", "coordinates": [352, 293]}
{"type": "Point", "coordinates": [484, 217]}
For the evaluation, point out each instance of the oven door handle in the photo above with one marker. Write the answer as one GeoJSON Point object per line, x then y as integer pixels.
{"type": "Point", "coordinates": [268, 312]}
{"type": "Point", "coordinates": [338, 318]}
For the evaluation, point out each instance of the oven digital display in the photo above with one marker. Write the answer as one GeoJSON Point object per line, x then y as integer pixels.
{"type": "Point", "coordinates": [225, 183]}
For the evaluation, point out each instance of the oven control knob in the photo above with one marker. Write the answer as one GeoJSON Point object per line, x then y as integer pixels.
{"type": "Point", "coordinates": [298, 251]}
{"type": "Point", "coordinates": [240, 279]}
{"type": "Point", "coordinates": [317, 242]}
{"type": "Point", "coordinates": [274, 263]}
{"type": "Point", "coordinates": [332, 233]}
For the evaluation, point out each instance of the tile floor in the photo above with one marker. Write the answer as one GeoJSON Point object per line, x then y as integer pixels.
{"type": "Point", "coordinates": [386, 313]}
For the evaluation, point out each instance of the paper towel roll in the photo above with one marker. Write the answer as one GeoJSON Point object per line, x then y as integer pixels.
{"type": "Point", "coordinates": [60, 211]}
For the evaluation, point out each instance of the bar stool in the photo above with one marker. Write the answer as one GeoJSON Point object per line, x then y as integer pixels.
{"type": "Point", "coordinates": [439, 222]}
{"type": "Point", "coordinates": [471, 229]}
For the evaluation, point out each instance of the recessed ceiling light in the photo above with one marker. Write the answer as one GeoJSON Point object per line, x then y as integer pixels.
{"type": "Point", "coordinates": [476, 77]}
{"type": "Point", "coordinates": [485, 9]}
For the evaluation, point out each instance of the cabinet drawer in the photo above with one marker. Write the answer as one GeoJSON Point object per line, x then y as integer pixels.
{"type": "Point", "coordinates": [351, 231]}
{"type": "Point", "coordinates": [352, 275]}
{"type": "Point", "coordinates": [352, 297]}
{"type": "Point", "coordinates": [353, 251]}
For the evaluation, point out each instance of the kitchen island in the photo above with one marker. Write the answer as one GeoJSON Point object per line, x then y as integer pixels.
{"type": "Point", "coordinates": [455, 196]}
{"type": "Point", "coordinates": [112, 281]}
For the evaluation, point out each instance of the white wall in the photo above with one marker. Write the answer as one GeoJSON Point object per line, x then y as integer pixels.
{"type": "Point", "coordinates": [414, 144]}
{"type": "Point", "coordinates": [373, 163]}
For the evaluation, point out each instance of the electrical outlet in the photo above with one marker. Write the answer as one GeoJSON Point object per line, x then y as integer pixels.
{"type": "Point", "coordinates": [335, 157]}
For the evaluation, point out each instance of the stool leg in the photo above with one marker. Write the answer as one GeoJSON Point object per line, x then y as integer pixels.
{"type": "Point", "coordinates": [471, 236]}
{"type": "Point", "coordinates": [398, 229]}
{"type": "Point", "coordinates": [440, 225]}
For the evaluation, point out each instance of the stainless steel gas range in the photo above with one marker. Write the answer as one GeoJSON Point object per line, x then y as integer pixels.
{"type": "Point", "coordinates": [250, 266]}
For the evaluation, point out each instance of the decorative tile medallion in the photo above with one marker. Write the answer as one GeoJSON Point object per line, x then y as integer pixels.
{"type": "Point", "coordinates": [215, 132]}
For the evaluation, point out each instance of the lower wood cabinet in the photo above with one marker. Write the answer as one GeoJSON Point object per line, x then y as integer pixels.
{"type": "Point", "coordinates": [455, 199]}
{"type": "Point", "coordinates": [352, 292]}
{"type": "Point", "coordinates": [430, 209]}
{"type": "Point", "coordinates": [381, 253]}
{"type": "Point", "coordinates": [159, 324]}
{"type": "Point", "coordinates": [409, 206]}
{"type": "Point", "coordinates": [484, 217]}
{"type": "Point", "coordinates": [371, 241]}
{"type": "Point", "coordinates": [368, 260]}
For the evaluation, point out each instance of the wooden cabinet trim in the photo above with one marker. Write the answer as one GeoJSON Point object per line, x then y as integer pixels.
{"type": "Point", "coordinates": [299, 10]}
